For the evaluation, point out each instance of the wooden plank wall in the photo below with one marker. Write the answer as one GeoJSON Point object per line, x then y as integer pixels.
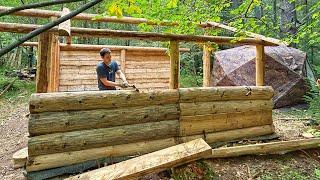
{"type": "Point", "coordinates": [72, 127]}
{"type": "Point", "coordinates": [144, 69]}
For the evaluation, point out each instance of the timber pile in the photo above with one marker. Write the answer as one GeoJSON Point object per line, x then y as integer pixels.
{"type": "Point", "coordinates": [68, 128]}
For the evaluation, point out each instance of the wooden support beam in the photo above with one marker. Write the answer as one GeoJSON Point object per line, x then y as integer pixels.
{"type": "Point", "coordinates": [151, 163]}
{"type": "Point", "coordinates": [206, 66]}
{"type": "Point", "coordinates": [65, 27]}
{"type": "Point", "coordinates": [266, 148]}
{"type": "Point", "coordinates": [260, 63]}
{"type": "Point", "coordinates": [123, 60]}
{"type": "Point", "coordinates": [53, 63]}
{"type": "Point", "coordinates": [130, 20]}
{"type": "Point", "coordinates": [90, 32]}
{"type": "Point", "coordinates": [174, 65]}
{"type": "Point", "coordinates": [20, 158]}
{"type": "Point", "coordinates": [42, 78]}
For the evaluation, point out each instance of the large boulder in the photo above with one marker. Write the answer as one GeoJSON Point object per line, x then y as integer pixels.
{"type": "Point", "coordinates": [285, 71]}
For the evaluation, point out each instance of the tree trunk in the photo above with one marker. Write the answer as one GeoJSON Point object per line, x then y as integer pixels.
{"type": "Point", "coordinates": [287, 18]}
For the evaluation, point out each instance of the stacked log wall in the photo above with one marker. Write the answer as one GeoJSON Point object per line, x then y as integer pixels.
{"type": "Point", "coordinates": [67, 128]}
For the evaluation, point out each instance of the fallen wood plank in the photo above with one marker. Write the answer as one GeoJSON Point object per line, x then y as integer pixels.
{"type": "Point", "coordinates": [20, 158]}
{"type": "Point", "coordinates": [151, 163]}
{"type": "Point", "coordinates": [266, 148]}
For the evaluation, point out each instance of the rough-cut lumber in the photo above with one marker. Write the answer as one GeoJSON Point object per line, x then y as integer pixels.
{"type": "Point", "coordinates": [235, 134]}
{"type": "Point", "coordinates": [90, 32]}
{"type": "Point", "coordinates": [29, 44]}
{"type": "Point", "coordinates": [123, 60]}
{"type": "Point", "coordinates": [174, 65]}
{"type": "Point", "coordinates": [206, 94]}
{"type": "Point", "coordinates": [191, 125]}
{"type": "Point", "coordinates": [206, 66]}
{"type": "Point", "coordinates": [100, 118]}
{"type": "Point", "coordinates": [90, 47]}
{"type": "Point", "coordinates": [53, 63]}
{"type": "Point", "coordinates": [151, 163]}
{"type": "Point", "coordinates": [20, 158]}
{"type": "Point", "coordinates": [86, 139]}
{"type": "Point", "coordinates": [49, 161]}
{"type": "Point", "coordinates": [260, 66]}
{"type": "Point", "coordinates": [64, 101]}
{"type": "Point", "coordinates": [266, 148]}
{"type": "Point", "coordinates": [64, 28]}
{"type": "Point", "coordinates": [216, 107]}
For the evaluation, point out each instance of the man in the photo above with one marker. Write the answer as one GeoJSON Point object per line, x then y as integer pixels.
{"type": "Point", "coordinates": [107, 70]}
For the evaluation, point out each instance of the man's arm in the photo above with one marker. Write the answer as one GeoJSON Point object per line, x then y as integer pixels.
{"type": "Point", "coordinates": [109, 83]}
{"type": "Point", "coordinates": [122, 76]}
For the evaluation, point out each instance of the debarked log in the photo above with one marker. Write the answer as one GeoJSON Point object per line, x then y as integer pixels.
{"type": "Point", "coordinates": [79, 140]}
{"type": "Point", "coordinates": [190, 125]}
{"type": "Point", "coordinates": [216, 107]}
{"type": "Point", "coordinates": [65, 101]}
{"type": "Point", "coordinates": [207, 94]}
{"type": "Point", "coordinates": [100, 118]}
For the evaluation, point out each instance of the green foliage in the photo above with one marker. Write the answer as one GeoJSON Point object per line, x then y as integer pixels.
{"type": "Point", "coordinates": [286, 173]}
{"type": "Point", "coordinates": [20, 89]}
{"type": "Point", "coordinates": [313, 98]}
{"type": "Point", "coordinates": [198, 170]}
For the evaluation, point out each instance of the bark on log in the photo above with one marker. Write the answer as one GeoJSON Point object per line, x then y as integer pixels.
{"type": "Point", "coordinates": [65, 101]}
{"type": "Point", "coordinates": [266, 148]}
{"type": "Point", "coordinates": [43, 61]}
{"type": "Point", "coordinates": [151, 163]}
{"type": "Point", "coordinates": [217, 107]}
{"type": "Point", "coordinates": [49, 161]}
{"type": "Point", "coordinates": [101, 118]}
{"type": "Point", "coordinates": [90, 32]}
{"type": "Point", "coordinates": [192, 125]}
{"type": "Point", "coordinates": [225, 93]}
{"type": "Point", "coordinates": [86, 139]}
{"type": "Point", "coordinates": [174, 65]}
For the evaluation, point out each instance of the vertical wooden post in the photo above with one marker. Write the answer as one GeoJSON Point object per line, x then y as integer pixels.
{"type": "Point", "coordinates": [123, 60]}
{"type": "Point", "coordinates": [260, 58]}
{"type": "Point", "coordinates": [174, 65]}
{"type": "Point", "coordinates": [42, 75]}
{"type": "Point", "coordinates": [206, 66]}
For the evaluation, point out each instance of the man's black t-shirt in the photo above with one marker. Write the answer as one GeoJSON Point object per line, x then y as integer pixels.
{"type": "Point", "coordinates": [107, 71]}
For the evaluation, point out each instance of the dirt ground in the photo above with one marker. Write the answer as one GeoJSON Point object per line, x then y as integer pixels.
{"type": "Point", "coordinates": [288, 123]}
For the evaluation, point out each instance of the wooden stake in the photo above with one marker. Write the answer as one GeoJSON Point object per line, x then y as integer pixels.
{"type": "Point", "coordinates": [174, 65]}
{"type": "Point", "coordinates": [206, 66]}
{"type": "Point", "coordinates": [260, 60]}
{"type": "Point", "coordinates": [42, 76]}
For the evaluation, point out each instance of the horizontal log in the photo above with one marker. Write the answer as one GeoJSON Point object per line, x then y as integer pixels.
{"type": "Point", "coordinates": [230, 135]}
{"type": "Point", "coordinates": [101, 118]}
{"type": "Point", "coordinates": [99, 100]}
{"type": "Point", "coordinates": [266, 148]}
{"type": "Point", "coordinates": [49, 161]}
{"type": "Point", "coordinates": [206, 94]}
{"type": "Point", "coordinates": [89, 47]}
{"type": "Point", "coordinates": [64, 27]}
{"type": "Point", "coordinates": [90, 32]}
{"type": "Point", "coordinates": [147, 66]}
{"type": "Point", "coordinates": [64, 82]}
{"type": "Point", "coordinates": [86, 139]}
{"type": "Point", "coordinates": [131, 20]}
{"type": "Point", "coordinates": [151, 163]}
{"type": "Point", "coordinates": [191, 125]}
{"type": "Point", "coordinates": [216, 107]}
